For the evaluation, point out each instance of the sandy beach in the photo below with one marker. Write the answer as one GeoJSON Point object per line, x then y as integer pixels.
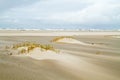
{"type": "Point", "coordinates": [81, 56]}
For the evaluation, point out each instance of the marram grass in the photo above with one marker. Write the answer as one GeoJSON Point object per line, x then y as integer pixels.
{"type": "Point", "coordinates": [61, 37]}
{"type": "Point", "coordinates": [30, 46]}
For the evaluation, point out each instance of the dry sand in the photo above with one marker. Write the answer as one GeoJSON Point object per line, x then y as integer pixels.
{"type": "Point", "coordinates": [98, 60]}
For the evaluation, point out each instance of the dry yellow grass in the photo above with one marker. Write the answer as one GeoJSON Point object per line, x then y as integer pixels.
{"type": "Point", "coordinates": [30, 46]}
{"type": "Point", "coordinates": [98, 52]}
{"type": "Point", "coordinates": [23, 51]}
{"type": "Point", "coordinates": [61, 37]}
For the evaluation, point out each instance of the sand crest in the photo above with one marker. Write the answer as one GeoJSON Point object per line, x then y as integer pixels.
{"type": "Point", "coordinates": [69, 40]}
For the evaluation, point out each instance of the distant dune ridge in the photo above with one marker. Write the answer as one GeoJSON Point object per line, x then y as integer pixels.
{"type": "Point", "coordinates": [68, 40]}
{"type": "Point", "coordinates": [46, 57]}
{"type": "Point", "coordinates": [72, 40]}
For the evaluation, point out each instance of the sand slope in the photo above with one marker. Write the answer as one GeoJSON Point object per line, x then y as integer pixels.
{"type": "Point", "coordinates": [70, 40]}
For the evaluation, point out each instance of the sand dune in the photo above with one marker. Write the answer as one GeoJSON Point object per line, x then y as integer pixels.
{"type": "Point", "coordinates": [70, 40]}
{"type": "Point", "coordinates": [73, 62]}
{"type": "Point", "coordinates": [37, 54]}
{"type": "Point", "coordinates": [116, 36]}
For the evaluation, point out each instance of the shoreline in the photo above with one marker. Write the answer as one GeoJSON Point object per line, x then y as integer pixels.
{"type": "Point", "coordinates": [54, 33]}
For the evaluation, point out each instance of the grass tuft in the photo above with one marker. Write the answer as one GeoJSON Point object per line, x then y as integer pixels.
{"type": "Point", "coordinates": [62, 37]}
{"type": "Point", "coordinates": [30, 46]}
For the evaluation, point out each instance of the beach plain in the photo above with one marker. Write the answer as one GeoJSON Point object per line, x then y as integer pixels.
{"type": "Point", "coordinates": [82, 55]}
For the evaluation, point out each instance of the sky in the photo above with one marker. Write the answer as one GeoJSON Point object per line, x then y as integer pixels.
{"type": "Point", "coordinates": [60, 14]}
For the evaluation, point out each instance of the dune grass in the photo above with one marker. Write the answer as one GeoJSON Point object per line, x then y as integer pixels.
{"type": "Point", "coordinates": [61, 37]}
{"type": "Point", "coordinates": [30, 46]}
{"type": "Point", "coordinates": [98, 52]}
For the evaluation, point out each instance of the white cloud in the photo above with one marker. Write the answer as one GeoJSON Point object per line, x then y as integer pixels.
{"type": "Point", "coordinates": [68, 11]}
{"type": "Point", "coordinates": [7, 4]}
{"type": "Point", "coordinates": [94, 14]}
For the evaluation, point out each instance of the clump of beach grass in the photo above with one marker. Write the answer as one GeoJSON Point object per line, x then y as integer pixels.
{"type": "Point", "coordinates": [30, 46]}
{"type": "Point", "coordinates": [61, 37]}
{"type": "Point", "coordinates": [23, 51]}
{"type": "Point", "coordinates": [98, 52]}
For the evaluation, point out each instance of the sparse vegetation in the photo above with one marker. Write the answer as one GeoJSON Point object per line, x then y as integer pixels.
{"type": "Point", "coordinates": [58, 38]}
{"type": "Point", "coordinates": [23, 51]}
{"type": "Point", "coordinates": [30, 46]}
{"type": "Point", "coordinates": [47, 47]}
{"type": "Point", "coordinates": [98, 52]}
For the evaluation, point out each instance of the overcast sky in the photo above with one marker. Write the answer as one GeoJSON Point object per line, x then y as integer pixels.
{"type": "Point", "coordinates": [85, 14]}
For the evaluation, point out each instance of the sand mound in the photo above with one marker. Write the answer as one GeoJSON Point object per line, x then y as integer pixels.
{"type": "Point", "coordinates": [71, 40]}
{"type": "Point", "coordinates": [68, 40]}
{"type": "Point", "coordinates": [36, 53]}
{"type": "Point", "coordinates": [33, 50]}
{"type": "Point", "coordinates": [118, 36]}
{"type": "Point", "coordinates": [113, 36]}
{"type": "Point", "coordinates": [39, 54]}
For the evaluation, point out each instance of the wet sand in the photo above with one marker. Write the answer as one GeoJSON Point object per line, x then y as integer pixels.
{"type": "Point", "coordinates": [99, 61]}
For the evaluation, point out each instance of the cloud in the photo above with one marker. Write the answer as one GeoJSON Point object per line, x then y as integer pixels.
{"type": "Point", "coordinates": [7, 4]}
{"type": "Point", "coordinates": [78, 12]}
{"type": "Point", "coordinates": [94, 14]}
